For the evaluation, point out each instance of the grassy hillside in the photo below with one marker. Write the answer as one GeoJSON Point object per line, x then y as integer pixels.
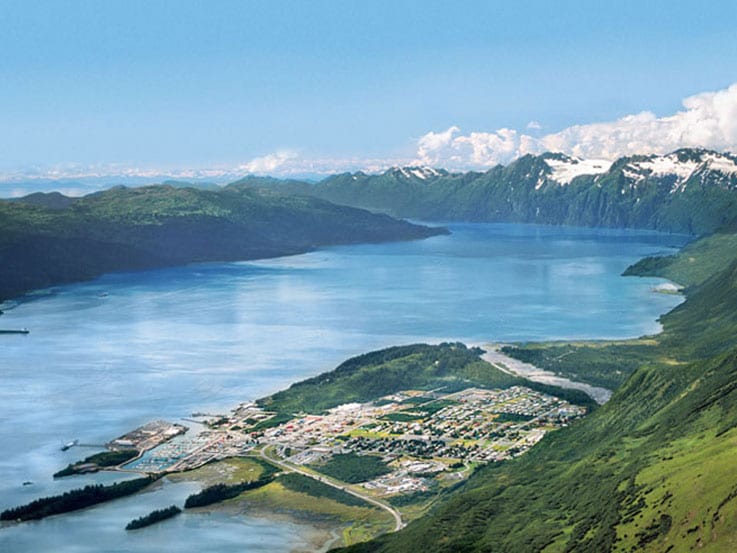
{"type": "Point", "coordinates": [46, 241]}
{"type": "Point", "coordinates": [652, 470]}
{"type": "Point", "coordinates": [695, 263]}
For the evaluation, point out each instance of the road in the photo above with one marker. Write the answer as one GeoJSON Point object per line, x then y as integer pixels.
{"type": "Point", "coordinates": [398, 523]}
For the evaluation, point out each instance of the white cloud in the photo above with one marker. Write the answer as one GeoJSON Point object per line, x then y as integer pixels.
{"type": "Point", "coordinates": [708, 120]}
{"type": "Point", "coordinates": [291, 164]}
{"type": "Point", "coordinates": [269, 163]}
{"type": "Point", "coordinates": [435, 141]}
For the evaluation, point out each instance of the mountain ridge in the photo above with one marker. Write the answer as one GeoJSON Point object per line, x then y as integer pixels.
{"type": "Point", "coordinates": [656, 192]}
{"type": "Point", "coordinates": [47, 240]}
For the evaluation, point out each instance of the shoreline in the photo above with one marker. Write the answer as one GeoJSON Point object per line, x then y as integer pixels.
{"type": "Point", "coordinates": [493, 355]}
{"type": "Point", "coordinates": [320, 534]}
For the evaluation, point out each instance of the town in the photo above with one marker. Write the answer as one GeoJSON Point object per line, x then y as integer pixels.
{"type": "Point", "coordinates": [422, 438]}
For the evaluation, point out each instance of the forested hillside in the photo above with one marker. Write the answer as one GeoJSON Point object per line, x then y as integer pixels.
{"type": "Point", "coordinates": [50, 239]}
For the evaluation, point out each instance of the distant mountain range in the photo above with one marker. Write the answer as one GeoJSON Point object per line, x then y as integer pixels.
{"type": "Point", "coordinates": [688, 191]}
{"type": "Point", "coordinates": [49, 238]}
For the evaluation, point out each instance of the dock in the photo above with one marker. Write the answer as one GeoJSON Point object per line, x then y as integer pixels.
{"type": "Point", "coordinates": [15, 331]}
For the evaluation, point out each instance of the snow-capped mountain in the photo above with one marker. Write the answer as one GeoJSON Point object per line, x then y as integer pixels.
{"type": "Point", "coordinates": [689, 190]}
{"type": "Point", "coordinates": [679, 167]}
{"type": "Point", "coordinates": [684, 166]}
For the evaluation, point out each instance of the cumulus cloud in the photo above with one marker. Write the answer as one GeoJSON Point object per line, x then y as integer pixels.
{"type": "Point", "coordinates": [269, 163]}
{"type": "Point", "coordinates": [708, 120]}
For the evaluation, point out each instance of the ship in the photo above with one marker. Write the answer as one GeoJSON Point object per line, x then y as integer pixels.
{"type": "Point", "coordinates": [15, 331]}
{"type": "Point", "coordinates": [69, 445]}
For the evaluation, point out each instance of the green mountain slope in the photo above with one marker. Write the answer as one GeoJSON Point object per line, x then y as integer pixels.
{"type": "Point", "coordinates": [652, 470]}
{"type": "Point", "coordinates": [47, 240]}
{"type": "Point", "coordinates": [695, 263]}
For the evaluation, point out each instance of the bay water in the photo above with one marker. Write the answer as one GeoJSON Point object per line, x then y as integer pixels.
{"type": "Point", "coordinates": [106, 356]}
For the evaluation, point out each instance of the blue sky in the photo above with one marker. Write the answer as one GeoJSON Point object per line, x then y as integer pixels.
{"type": "Point", "coordinates": [184, 84]}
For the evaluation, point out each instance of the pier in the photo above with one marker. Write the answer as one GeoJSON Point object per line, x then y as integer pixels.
{"type": "Point", "coordinates": [15, 331]}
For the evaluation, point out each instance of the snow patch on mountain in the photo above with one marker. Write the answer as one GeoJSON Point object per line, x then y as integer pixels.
{"type": "Point", "coordinates": [721, 163]}
{"type": "Point", "coordinates": [565, 169]}
{"type": "Point", "coordinates": [421, 173]}
{"type": "Point", "coordinates": [681, 167]}
{"type": "Point", "coordinates": [662, 166]}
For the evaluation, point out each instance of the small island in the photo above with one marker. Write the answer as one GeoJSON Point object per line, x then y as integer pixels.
{"type": "Point", "coordinates": [75, 499]}
{"type": "Point", "coordinates": [153, 517]}
{"type": "Point", "coordinates": [221, 492]}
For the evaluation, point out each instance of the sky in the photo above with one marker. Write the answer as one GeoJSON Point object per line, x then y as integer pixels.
{"type": "Point", "coordinates": [220, 88]}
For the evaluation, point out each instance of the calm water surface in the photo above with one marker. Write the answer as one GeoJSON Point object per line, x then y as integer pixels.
{"type": "Point", "coordinates": [106, 356]}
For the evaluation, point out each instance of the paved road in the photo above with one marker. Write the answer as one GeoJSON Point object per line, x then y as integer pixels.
{"type": "Point", "coordinates": [398, 524]}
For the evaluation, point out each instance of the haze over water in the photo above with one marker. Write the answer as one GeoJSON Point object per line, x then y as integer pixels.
{"type": "Point", "coordinates": [106, 356]}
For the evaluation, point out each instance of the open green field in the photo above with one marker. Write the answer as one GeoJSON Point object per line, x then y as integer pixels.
{"type": "Point", "coordinates": [694, 264]}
